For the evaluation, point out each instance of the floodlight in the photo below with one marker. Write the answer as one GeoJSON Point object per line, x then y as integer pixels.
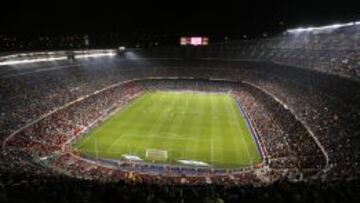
{"type": "Point", "coordinates": [327, 27]}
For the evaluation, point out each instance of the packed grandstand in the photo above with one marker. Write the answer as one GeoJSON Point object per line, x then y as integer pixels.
{"type": "Point", "coordinates": [300, 95]}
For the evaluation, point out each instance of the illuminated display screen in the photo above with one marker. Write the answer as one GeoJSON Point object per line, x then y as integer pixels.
{"type": "Point", "coordinates": [194, 41]}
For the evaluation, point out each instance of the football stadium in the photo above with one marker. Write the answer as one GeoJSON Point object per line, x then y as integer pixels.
{"type": "Point", "coordinates": [186, 116]}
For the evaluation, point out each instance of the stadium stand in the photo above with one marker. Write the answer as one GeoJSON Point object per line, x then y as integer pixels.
{"type": "Point", "coordinates": [301, 95]}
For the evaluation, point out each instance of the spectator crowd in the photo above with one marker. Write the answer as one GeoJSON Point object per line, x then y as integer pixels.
{"type": "Point", "coordinates": [44, 105]}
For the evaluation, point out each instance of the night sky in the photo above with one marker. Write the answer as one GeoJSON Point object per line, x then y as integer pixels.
{"type": "Point", "coordinates": [212, 18]}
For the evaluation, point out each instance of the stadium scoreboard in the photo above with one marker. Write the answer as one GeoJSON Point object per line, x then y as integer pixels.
{"type": "Point", "coordinates": [194, 41]}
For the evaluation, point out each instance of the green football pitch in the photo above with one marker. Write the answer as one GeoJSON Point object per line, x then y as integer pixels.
{"type": "Point", "coordinates": [167, 127]}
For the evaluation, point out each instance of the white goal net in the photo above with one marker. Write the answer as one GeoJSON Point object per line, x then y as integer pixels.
{"type": "Point", "coordinates": [156, 154]}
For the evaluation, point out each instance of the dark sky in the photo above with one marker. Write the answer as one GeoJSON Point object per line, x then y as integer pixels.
{"type": "Point", "coordinates": [173, 17]}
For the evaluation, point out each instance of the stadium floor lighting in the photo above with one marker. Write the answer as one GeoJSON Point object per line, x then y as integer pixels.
{"type": "Point", "coordinates": [95, 55]}
{"type": "Point", "coordinates": [16, 62]}
{"type": "Point", "coordinates": [327, 27]}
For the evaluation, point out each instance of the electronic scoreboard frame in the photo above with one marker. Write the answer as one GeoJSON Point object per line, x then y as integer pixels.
{"type": "Point", "coordinates": [194, 41]}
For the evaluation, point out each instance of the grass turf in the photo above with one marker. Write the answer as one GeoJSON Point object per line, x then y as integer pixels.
{"type": "Point", "coordinates": [207, 127]}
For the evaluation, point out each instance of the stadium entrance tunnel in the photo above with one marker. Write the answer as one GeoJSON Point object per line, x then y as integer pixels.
{"type": "Point", "coordinates": [127, 131]}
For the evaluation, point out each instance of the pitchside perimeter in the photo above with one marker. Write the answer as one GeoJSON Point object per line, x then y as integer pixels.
{"type": "Point", "coordinates": [181, 128]}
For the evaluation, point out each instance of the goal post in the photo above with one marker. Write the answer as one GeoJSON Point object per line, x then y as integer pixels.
{"type": "Point", "coordinates": [156, 154]}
